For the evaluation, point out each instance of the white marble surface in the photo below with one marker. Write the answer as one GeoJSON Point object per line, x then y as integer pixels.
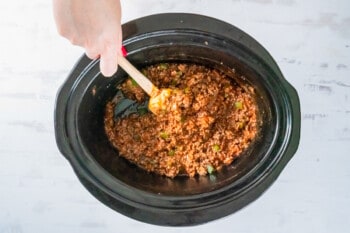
{"type": "Point", "coordinates": [310, 41]}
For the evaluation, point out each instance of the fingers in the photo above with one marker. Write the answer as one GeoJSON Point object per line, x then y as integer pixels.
{"type": "Point", "coordinates": [92, 53]}
{"type": "Point", "coordinates": [108, 61]}
{"type": "Point", "coordinates": [93, 25]}
{"type": "Point", "coordinates": [107, 50]}
{"type": "Point", "coordinates": [120, 40]}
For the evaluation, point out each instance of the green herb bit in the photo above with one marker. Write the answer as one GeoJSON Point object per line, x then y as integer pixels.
{"type": "Point", "coordinates": [137, 138]}
{"type": "Point", "coordinates": [133, 82]}
{"type": "Point", "coordinates": [142, 111]}
{"type": "Point", "coordinates": [154, 162]}
{"type": "Point", "coordinates": [182, 119]}
{"type": "Point", "coordinates": [239, 105]}
{"type": "Point", "coordinates": [187, 90]}
{"type": "Point", "coordinates": [164, 135]}
{"type": "Point", "coordinates": [173, 82]}
{"type": "Point", "coordinates": [171, 152]}
{"type": "Point", "coordinates": [163, 66]}
{"type": "Point", "coordinates": [179, 73]}
{"type": "Point", "coordinates": [216, 148]}
{"type": "Point", "coordinates": [210, 169]}
{"type": "Point", "coordinates": [212, 177]}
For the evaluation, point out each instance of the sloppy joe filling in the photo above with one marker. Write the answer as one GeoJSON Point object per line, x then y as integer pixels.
{"type": "Point", "coordinates": [206, 121]}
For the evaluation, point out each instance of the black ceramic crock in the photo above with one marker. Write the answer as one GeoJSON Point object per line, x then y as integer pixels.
{"type": "Point", "coordinates": [181, 201]}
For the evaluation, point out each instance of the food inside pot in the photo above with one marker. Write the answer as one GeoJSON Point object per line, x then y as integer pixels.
{"type": "Point", "coordinates": [208, 122]}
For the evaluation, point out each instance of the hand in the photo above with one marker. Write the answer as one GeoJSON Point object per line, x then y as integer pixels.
{"type": "Point", "coordinates": [94, 25]}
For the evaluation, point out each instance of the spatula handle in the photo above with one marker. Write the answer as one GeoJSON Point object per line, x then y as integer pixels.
{"type": "Point", "coordinates": [141, 80]}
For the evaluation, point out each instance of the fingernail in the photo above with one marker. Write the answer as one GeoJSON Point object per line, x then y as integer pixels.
{"type": "Point", "coordinates": [124, 52]}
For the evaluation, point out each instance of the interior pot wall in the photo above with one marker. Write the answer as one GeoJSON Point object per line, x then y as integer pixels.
{"type": "Point", "coordinates": [100, 90]}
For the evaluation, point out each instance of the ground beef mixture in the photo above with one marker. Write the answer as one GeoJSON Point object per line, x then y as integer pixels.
{"type": "Point", "coordinates": [215, 120]}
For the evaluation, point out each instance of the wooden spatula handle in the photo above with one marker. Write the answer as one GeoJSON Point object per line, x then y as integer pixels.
{"type": "Point", "coordinates": [141, 80]}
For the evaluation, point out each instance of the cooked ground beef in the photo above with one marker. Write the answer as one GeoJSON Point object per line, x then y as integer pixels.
{"type": "Point", "coordinates": [215, 119]}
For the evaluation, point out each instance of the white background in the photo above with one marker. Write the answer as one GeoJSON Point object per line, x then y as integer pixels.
{"type": "Point", "coordinates": [310, 40]}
